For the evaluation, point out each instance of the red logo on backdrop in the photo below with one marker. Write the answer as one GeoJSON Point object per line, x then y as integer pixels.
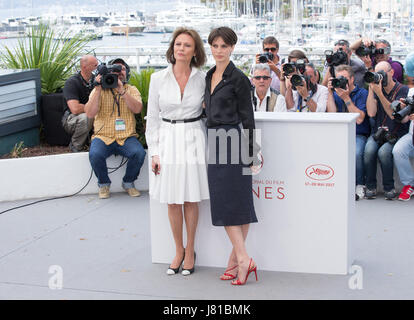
{"type": "Point", "coordinates": [319, 172]}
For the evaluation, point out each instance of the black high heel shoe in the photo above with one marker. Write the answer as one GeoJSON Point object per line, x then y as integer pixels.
{"type": "Point", "coordinates": [187, 272]}
{"type": "Point", "coordinates": [172, 271]}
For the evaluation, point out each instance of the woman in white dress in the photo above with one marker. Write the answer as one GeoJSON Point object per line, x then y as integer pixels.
{"type": "Point", "coordinates": [176, 141]}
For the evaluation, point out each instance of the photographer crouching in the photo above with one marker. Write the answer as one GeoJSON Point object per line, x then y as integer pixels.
{"type": "Point", "coordinates": [113, 103]}
{"type": "Point", "coordinates": [345, 96]}
{"type": "Point", "coordinates": [383, 90]}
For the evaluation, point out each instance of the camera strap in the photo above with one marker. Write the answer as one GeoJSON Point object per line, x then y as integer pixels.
{"type": "Point", "coordinates": [397, 89]}
{"type": "Point", "coordinates": [117, 100]}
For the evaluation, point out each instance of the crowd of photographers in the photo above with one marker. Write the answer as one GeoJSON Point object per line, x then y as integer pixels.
{"type": "Point", "coordinates": [359, 78]}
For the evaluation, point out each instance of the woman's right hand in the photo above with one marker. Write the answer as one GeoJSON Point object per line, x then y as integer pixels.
{"type": "Point", "coordinates": [156, 165]}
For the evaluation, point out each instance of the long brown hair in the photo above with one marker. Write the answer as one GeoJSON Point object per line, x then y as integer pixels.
{"type": "Point", "coordinates": [200, 57]}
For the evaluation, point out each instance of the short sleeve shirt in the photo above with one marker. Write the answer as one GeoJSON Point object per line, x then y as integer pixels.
{"type": "Point", "coordinates": [76, 88]}
{"type": "Point", "coordinates": [104, 124]}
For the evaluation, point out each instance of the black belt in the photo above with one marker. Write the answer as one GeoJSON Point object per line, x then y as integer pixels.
{"type": "Point", "coordinates": [183, 121]}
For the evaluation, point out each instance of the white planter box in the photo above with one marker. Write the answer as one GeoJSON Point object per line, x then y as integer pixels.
{"type": "Point", "coordinates": [58, 175]}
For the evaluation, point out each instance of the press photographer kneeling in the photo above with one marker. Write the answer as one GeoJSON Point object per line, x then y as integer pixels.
{"type": "Point", "coordinates": [383, 90]}
{"type": "Point", "coordinates": [113, 103]}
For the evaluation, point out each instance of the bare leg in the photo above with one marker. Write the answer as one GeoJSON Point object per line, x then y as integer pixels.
{"type": "Point", "coordinates": [175, 216]}
{"type": "Point", "coordinates": [236, 236]}
{"type": "Point", "coordinates": [233, 258]}
{"type": "Point", "coordinates": [191, 221]}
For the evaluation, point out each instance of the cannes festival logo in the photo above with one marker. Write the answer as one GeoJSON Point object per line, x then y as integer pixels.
{"type": "Point", "coordinates": [319, 172]}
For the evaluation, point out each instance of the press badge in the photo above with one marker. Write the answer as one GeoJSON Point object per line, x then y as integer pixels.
{"type": "Point", "coordinates": [119, 125]}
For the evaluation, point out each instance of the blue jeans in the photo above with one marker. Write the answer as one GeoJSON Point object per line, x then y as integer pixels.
{"type": "Point", "coordinates": [384, 155]}
{"type": "Point", "coordinates": [359, 153]}
{"type": "Point", "coordinates": [403, 152]}
{"type": "Point", "coordinates": [132, 149]}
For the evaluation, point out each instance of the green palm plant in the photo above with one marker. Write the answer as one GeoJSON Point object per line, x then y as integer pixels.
{"type": "Point", "coordinates": [141, 81]}
{"type": "Point", "coordinates": [54, 54]}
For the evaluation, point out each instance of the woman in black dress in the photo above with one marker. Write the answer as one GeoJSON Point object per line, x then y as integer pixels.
{"type": "Point", "coordinates": [228, 103]}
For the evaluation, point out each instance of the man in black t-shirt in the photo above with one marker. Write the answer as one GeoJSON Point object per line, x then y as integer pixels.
{"type": "Point", "coordinates": [76, 92]}
{"type": "Point", "coordinates": [385, 132]}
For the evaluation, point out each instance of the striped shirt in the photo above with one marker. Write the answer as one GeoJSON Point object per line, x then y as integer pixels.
{"type": "Point", "coordinates": [104, 124]}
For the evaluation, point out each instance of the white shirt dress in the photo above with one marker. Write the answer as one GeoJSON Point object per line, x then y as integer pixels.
{"type": "Point", "coordinates": [180, 146]}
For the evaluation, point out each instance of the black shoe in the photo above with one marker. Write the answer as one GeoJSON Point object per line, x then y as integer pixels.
{"type": "Point", "coordinates": [172, 271]}
{"type": "Point", "coordinates": [187, 272]}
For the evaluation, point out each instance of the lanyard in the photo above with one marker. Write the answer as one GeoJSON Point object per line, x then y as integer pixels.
{"type": "Point", "coordinates": [117, 100]}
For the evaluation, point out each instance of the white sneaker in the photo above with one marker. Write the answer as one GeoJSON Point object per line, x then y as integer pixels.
{"type": "Point", "coordinates": [360, 191]}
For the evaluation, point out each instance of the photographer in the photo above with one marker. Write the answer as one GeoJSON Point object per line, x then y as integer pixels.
{"type": "Point", "coordinates": [76, 93]}
{"type": "Point", "coordinates": [403, 150]}
{"type": "Point", "coordinates": [358, 67]}
{"type": "Point", "coordinates": [385, 131]}
{"type": "Point", "coordinates": [373, 52]}
{"type": "Point", "coordinates": [303, 93]}
{"type": "Point", "coordinates": [345, 96]}
{"type": "Point", "coordinates": [270, 56]}
{"type": "Point", "coordinates": [114, 111]}
{"type": "Point", "coordinates": [264, 98]}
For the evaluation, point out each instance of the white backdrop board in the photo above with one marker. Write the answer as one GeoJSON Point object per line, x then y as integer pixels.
{"type": "Point", "coordinates": [304, 199]}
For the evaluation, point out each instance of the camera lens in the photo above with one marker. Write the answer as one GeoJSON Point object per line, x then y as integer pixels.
{"type": "Point", "coordinates": [263, 59]}
{"type": "Point", "coordinates": [288, 68]}
{"type": "Point", "coordinates": [296, 80]}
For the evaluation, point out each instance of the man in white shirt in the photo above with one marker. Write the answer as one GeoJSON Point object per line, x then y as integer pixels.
{"type": "Point", "coordinates": [264, 98]}
{"type": "Point", "coordinates": [308, 97]}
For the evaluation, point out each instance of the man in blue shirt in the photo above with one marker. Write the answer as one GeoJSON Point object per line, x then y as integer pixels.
{"type": "Point", "coordinates": [351, 98]}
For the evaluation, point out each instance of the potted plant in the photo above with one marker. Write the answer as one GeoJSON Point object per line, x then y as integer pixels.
{"type": "Point", "coordinates": [56, 56]}
{"type": "Point", "coordinates": [141, 81]}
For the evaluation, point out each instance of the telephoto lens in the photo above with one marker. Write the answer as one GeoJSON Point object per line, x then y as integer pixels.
{"type": "Point", "coordinates": [376, 77]}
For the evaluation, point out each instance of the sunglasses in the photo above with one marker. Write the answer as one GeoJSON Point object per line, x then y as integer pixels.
{"type": "Point", "coordinates": [273, 49]}
{"type": "Point", "coordinates": [262, 77]}
{"type": "Point", "coordinates": [342, 43]}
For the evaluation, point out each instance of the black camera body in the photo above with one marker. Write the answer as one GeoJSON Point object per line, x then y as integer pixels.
{"type": "Point", "coordinates": [109, 79]}
{"type": "Point", "coordinates": [383, 135]}
{"type": "Point", "coordinates": [399, 114]}
{"type": "Point", "coordinates": [371, 51]}
{"type": "Point", "coordinates": [340, 82]}
{"type": "Point", "coordinates": [289, 68]}
{"type": "Point", "coordinates": [265, 57]}
{"type": "Point", "coordinates": [376, 77]}
{"type": "Point", "coordinates": [299, 81]}
{"type": "Point", "coordinates": [334, 59]}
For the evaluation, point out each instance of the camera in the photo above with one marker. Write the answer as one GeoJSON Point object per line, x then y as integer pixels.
{"type": "Point", "coordinates": [109, 79]}
{"type": "Point", "coordinates": [299, 81]}
{"type": "Point", "coordinates": [399, 114]}
{"type": "Point", "coordinates": [340, 82]}
{"type": "Point", "coordinates": [371, 51]}
{"type": "Point", "coordinates": [376, 77]}
{"type": "Point", "coordinates": [267, 56]}
{"type": "Point", "coordinates": [337, 58]}
{"type": "Point", "coordinates": [383, 135]}
{"type": "Point", "coordinates": [299, 65]}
